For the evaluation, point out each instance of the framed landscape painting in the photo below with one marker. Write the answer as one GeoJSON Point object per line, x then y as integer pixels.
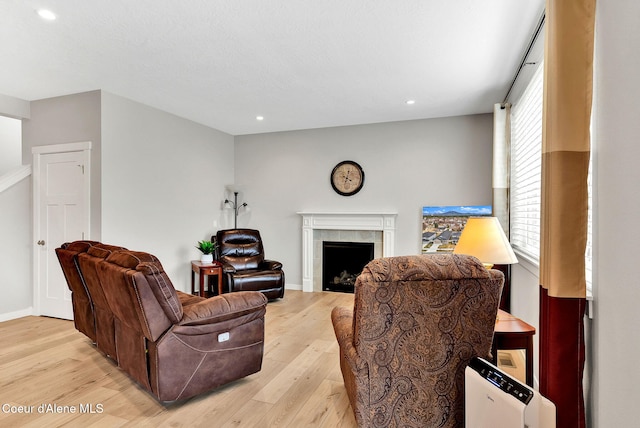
{"type": "Point", "coordinates": [442, 225]}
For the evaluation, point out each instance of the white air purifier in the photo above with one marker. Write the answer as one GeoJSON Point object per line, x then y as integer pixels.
{"type": "Point", "coordinates": [493, 399]}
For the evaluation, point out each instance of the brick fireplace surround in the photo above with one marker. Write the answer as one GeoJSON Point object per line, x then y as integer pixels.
{"type": "Point", "coordinates": [379, 228]}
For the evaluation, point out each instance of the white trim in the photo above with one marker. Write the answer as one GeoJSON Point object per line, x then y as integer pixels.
{"type": "Point", "coordinates": [37, 152]}
{"type": "Point", "coordinates": [14, 177]}
{"type": "Point", "coordinates": [381, 221]}
{"type": "Point", "coordinates": [62, 148]}
{"type": "Point", "coordinates": [16, 314]}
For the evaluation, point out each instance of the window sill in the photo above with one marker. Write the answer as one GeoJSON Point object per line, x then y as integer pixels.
{"type": "Point", "coordinates": [528, 262]}
{"type": "Point", "coordinates": [533, 266]}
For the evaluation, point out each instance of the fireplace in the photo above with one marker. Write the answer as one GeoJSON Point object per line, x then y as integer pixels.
{"type": "Point", "coordinates": [317, 227]}
{"type": "Point", "coordinates": [342, 262]}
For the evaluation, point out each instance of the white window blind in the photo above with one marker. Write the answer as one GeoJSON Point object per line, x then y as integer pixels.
{"type": "Point", "coordinates": [525, 186]}
{"type": "Point", "coordinates": [526, 154]}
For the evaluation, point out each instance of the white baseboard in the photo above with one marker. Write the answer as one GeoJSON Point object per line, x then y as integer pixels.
{"type": "Point", "coordinates": [293, 286]}
{"type": "Point", "coordinates": [17, 314]}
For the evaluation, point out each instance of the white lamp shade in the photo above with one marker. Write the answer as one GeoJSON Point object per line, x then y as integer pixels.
{"type": "Point", "coordinates": [484, 238]}
{"type": "Point", "coordinates": [233, 188]}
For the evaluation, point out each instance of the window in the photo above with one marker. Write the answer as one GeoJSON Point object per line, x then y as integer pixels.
{"type": "Point", "coordinates": [525, 185]}
{"type": "Point", "coordinates": [526, 155]}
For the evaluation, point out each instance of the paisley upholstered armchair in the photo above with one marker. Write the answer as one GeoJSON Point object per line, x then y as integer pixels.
{"type": "Point", "coordinates": [416, 323]}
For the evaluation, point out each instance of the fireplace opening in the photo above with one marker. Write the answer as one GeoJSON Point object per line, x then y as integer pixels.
{"type": "Point", "coordinates": [342, 262]}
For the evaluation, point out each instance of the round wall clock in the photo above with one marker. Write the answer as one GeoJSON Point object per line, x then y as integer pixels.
{"type": "Point", "coordinates": [347, 178]}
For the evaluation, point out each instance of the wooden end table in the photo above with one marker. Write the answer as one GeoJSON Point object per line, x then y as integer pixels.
{"type": "Point", "coordinates": [513, 333]}
{"type": "Point", "coordinates": [205, 269]}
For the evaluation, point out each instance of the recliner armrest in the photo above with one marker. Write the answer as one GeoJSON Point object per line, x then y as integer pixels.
{"type": "Point", "coordinates": [224, 307]}
{"type": "Point", "coordinates": [342, 320]}
{"type": "Point", "coordinates": [270, 265]}
{"type": "Point", "coordinates": [228, 268]}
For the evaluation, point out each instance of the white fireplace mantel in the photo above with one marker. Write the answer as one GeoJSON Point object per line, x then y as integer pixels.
{"type": "Point", "coordinates": [375, 221]}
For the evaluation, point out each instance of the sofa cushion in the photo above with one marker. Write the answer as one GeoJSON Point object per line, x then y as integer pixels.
{"type": "Point", "coordinates": [188, 299]}
{"type": "Point", "coordinates": [224, 307]}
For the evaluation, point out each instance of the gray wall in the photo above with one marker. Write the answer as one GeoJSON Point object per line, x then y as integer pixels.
{"type": "Point", "coordinates": [163, 182]}
{"type": "Point", "coordinates": [525, 298]}
{"type": "Point", "coordinates": [616, 233]}
{"type": "Point", "coordinates": [15, 217]}
{"type": "Point", "coordinates": [163, 176]}
{"type": "Point", "coordinates": [68, 119]}
{"type": "Point", "coordinates": [444, 161]}
{"type": "Point", "coordinates": [10, 144]}
{"type": "Point", "coordinates": [57, 120]}
{"type": "Point", "coordinates": [15, 252]}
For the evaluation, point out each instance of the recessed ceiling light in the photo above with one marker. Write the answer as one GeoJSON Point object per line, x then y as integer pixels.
{"type": "Point", "coordinates": [46, 14]}
{"type": "Point", "coordinates": [410, 102]}
{"type": "Point", "coordinates": [259, 118]}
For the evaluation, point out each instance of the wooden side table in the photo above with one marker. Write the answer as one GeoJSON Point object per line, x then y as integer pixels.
{"type": "Point", "coordinates": [204, 269]}
{"type": "Point", "coordinates": [513, 333]}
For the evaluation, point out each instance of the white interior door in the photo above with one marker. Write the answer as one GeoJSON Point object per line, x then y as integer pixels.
{"type": "Point", "coordinates": [61, 214]}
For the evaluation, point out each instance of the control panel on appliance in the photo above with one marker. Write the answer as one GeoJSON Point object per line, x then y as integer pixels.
{"type": "Point", "coordinates": [501, 380]}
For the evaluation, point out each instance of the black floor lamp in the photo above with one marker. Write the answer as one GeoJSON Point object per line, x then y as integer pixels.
{"type": "Point", "coordinates": [235, 206]}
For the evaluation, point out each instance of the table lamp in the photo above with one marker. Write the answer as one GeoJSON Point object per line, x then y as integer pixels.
{"type": "Point", "coordinates": [484, 238]}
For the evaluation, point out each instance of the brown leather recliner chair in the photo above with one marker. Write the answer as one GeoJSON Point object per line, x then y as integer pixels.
{"type": "Point", "coordinates": [245, 269]}
{"type": "Point", "coordinates": [417, 321]}
{"type": "Point", "coordinates": [175, 345]}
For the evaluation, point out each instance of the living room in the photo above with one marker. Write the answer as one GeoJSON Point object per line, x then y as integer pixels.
{"type": "Point", "coordinates": [178, 191]}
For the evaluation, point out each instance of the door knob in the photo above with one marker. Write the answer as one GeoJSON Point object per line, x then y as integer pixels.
{"type": "Point", "coordinates": [41, 242]}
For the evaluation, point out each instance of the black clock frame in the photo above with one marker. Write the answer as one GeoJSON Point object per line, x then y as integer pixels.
{"type": "Point", "coordinates": [335, 169]}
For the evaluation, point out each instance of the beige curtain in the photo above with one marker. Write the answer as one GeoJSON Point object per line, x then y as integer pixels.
{"type": "Point", "coordinates": [566, 145]}
{"type": "Point", "coordinates": [568, 71]}
{"type": "Point", "coordinates": [501, 151]}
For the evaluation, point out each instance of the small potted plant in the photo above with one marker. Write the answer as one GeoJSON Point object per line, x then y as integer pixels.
{"type": "Point", "coordinates": [207, 248]}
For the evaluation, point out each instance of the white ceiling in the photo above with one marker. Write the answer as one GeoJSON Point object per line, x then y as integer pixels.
{"type": "Point", "coordinates": [299, 63]}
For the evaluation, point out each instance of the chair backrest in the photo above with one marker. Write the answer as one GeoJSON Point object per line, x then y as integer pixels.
{"type": "Point", "coordinates": [140, 293]}
{"type": "Point", "coordinates": [68, 257]}
{"type": "Point", "coordinates": [241, 248]}
{"type": "Point", "coordinates": [418, 321]}
{"type": "Point", "coordinates": [84, 317]}
{"type": "Point", "coordinates": [88, 263]}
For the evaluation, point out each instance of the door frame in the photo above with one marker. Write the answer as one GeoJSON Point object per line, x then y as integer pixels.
{"type": "Point", "coordinates": [37, 152]}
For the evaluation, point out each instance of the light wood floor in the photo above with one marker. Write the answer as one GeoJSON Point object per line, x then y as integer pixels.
{"type": "Point", "coordinates": [45, 361]}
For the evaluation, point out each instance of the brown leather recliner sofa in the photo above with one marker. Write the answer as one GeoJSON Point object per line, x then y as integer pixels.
{"type": "Point", "coordinates": [173, 344]}
{"type": "Point", "coordinates": [245, 268]}
{"type": "Point", "coordinates": [416, 323]}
